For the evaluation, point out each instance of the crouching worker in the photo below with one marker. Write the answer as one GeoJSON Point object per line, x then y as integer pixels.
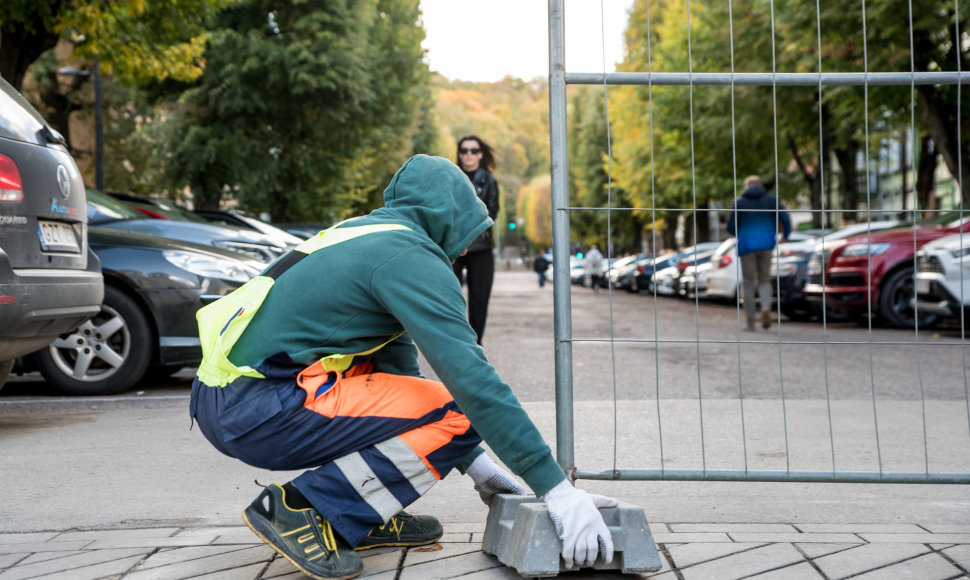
{"type": "Point", "coordinates": [313, 365]}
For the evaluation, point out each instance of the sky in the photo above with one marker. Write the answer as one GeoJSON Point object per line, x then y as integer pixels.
{"type": "Point", "coordinates": [487, 40]}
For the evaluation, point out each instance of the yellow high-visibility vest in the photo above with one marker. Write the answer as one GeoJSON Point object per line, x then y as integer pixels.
{"type": "Point", "coordinates": [223, 322]}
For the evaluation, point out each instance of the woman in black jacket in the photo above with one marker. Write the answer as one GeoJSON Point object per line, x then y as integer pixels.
{"type": "Point", "coordinates": [477, 267]}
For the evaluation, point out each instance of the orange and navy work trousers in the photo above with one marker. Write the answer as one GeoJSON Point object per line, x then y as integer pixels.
{"type": "Point", "coordinates": [372, 443]}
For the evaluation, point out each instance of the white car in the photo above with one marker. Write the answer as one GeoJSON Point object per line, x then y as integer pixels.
{"type": "Point", "coordinates": [943, 276]}
{"type": "Point", "coordinates": [724, 279]}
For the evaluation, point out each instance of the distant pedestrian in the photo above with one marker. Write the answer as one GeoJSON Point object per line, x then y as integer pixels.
{"type": "Point", "coordinates": [540, 265]}
{"type": "Point", "coordinates": [477, 267]}
{"type": "Point", "coordinates": [594, 267]}
{"type": "Point", "coordinates": [754, 219]}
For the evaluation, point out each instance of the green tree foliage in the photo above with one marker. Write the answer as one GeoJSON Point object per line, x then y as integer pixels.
{"type": "Point", "coordinates": [305, 108]}
{"type": "Point", "coordinates": [536, 206]}
{"type": "Point", "coordinates": [512, 116]}
{"type": "Point", "coordinates": [686, 147]}
{"type": "Point", "coordinates": [136, 40]}
{"type": "Point", "coordinates": [589, 178]}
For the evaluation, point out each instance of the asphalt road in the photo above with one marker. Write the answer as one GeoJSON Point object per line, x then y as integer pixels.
{"type": "Point", "coordinates": [131, 459]}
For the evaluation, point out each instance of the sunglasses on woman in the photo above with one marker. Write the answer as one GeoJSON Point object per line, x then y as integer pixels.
{"type": "Point", "coordinates": [465, 151]}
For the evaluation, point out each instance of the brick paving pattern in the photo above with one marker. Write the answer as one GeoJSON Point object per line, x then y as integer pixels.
{"type": "Point", "coordinates": [688, 551]}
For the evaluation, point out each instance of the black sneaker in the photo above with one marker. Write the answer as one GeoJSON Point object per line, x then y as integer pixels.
{"type": "Point", "coordinates": [404, 529]}
{"type": "Point", "coordinates": [301, 536]}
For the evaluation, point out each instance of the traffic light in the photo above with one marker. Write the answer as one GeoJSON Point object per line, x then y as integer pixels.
{"type": "Point", "coordinates": [579, 255]}
{"type": "Point", "coordinates": [512, 225]}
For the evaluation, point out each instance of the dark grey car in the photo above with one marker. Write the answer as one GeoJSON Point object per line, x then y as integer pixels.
{"type": "Point", "coordinates": [49, 280]}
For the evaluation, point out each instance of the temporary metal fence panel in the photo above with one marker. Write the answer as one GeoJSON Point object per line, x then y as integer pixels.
{"type": "Point", "coordinates": [838, 427]}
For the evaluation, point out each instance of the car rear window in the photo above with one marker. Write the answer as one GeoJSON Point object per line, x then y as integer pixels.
{"type": "Point", "coordinates": [19, 120]}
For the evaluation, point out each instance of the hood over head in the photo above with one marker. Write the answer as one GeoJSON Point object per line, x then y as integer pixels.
{"type": "Point", "coordinates": [754, 192]}
{"type": "Point", "coordinates": [435, 195]}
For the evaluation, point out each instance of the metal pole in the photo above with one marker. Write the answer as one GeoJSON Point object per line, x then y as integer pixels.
{"type": "Point", "coordinates": [560, 237]}
{"type": "Point", "coordinates": [98, 135]}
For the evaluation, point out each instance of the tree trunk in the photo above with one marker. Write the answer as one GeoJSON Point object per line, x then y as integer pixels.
{"type": "Point", "coordinates": [926, 174]}
{"type": "Point", "coordinates": [942, 128]}
{"type": "Point", "coordinates": [849, 181]}
{"type": "Point", "coordinates": [809, 173]}
{"type": "Point", "coordinates": [21, 45]}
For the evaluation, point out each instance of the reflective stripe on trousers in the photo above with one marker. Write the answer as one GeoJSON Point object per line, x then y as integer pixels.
{"type": "Point", "coordinates": [373, 443]}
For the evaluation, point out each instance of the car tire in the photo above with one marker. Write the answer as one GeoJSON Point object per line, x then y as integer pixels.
{"type": "Point", "coordinates": [894, 302]}
{"type": "Point", "coordinates": [107, 354]}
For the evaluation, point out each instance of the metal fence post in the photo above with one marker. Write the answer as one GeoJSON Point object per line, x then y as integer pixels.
{"type": "Point", "coordinates": [560, 237]}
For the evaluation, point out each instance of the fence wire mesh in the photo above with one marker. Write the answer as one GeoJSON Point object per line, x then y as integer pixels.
{"type": "Point", "coordinates": [693, 395]}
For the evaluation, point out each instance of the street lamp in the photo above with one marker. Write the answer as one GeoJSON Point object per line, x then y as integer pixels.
{"type": "Point", "coordinates": [98, 135]}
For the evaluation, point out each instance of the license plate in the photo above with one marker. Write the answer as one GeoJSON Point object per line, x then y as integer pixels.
{"type": "Point", "coordinates": [57, 237]}
{"type": "Point", "coordinates": [922, 286]}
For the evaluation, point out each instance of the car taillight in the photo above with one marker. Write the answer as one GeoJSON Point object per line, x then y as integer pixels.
{"type": "Point", "coordinates": [725, 261]}
{"type": "Point", "coordinates": [682, 266]}
{"type": "Point", "coordinates": [641, 269]}
{"type": "Point", "coordinates": [11, 188]}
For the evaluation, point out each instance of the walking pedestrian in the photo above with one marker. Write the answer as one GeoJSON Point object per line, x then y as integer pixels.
{"type": "Point", "coordinates": [594, 267]}
{"type": "Point", "coordinates": [754, 219]}
{"type": "Point", "coordinates": [477, 268]}
{"type": "Point", "coordinates": [540, 265]}
{"type": "Point", "coordinates": [313, 365]}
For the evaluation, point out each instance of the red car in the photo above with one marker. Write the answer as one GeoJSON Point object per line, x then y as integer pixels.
{"type": "Point", "coordinates": [877, 269]}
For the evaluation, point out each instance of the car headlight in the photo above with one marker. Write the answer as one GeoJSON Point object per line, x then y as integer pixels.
{"type": "Point", "coordinates": [260, 252]}
{"type": "Point", "coordinates": [211, 266]}
{"type": "Point", "coordinates": [856, 250]}
{"type": "Point", "coordinates": [959, 252]}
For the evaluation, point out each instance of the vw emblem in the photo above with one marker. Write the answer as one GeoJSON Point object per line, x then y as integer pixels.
{"type": "Point", "coordinates": [63, 181]}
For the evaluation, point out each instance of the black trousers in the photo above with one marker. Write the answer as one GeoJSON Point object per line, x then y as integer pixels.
{"type": "Point", "coordinates": [479, 271]}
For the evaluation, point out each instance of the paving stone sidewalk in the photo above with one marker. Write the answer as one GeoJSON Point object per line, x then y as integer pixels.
{"type": "Point", "coordinates": [688, 551]}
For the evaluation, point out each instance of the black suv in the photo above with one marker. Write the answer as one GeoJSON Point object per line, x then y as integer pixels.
{"type": "Point", "coordinates": [49, 280]}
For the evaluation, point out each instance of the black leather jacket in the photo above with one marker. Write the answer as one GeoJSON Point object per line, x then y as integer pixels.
{"type": "Point", "coordinates": [487, 189]}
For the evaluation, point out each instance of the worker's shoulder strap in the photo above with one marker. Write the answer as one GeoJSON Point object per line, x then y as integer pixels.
{"type": "Point", "coordinates": [223, 322]}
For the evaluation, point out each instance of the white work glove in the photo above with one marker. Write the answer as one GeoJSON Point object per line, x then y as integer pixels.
{"type": "Point", "coordinates": [491, 479]}
{"type": "Point", "coordinates": [580, 526]}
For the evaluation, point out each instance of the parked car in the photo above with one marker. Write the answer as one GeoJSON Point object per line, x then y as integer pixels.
{"type": "Point", "coordinates": [791, 268]}
{"type": "Point", "coordinates": [160, 208]}
{"type": "Point", "coordinates": [943, 277]}
{"type": "Point", "coordinates": [875, 271]}
{"type": "Point", "coordinates": [146, 324]}
{"type": "Point", "coordinates": [644, 276]}
{"type": "Point", "coordinates": [303, 230]}
{"type": "Point", "coordinates": [693, 281]}
{"type": "Point", "coordinates": [49, 280]}
{"type": "Point", "coordinates": [622, 275]}
{"type": "Point", "coordinates": [724, 281]}
{"type": "Point", "coordinates": [107, 212]}
{"type": "Point", "coordinates": [690, 268]}
{"type": "Point", "coordinates": [240, 219]}
{"type": "Point", "coordinates": [664, 281]}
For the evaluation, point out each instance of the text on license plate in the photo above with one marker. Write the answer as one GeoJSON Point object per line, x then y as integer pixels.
{"type": "Point", "coordinates": [57, 236]}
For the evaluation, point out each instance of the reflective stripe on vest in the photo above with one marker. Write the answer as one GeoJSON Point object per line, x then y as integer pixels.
{"type": "Point", "coordinates": [223, 322]}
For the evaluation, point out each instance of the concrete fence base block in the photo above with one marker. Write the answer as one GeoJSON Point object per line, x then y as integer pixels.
{"type": "Point", "coordinates": [520, 533]}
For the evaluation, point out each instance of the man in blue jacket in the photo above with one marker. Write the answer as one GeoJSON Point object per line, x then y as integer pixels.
{"type": "Point", "coordinates": [754, 219]}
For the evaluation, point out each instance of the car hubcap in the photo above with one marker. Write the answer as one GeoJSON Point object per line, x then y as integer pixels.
{"type": "Point", "coordinates": [96, 350]}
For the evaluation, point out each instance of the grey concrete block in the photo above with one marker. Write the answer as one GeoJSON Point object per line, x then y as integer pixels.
{"type": "Point", "coordinates": [521, 535]}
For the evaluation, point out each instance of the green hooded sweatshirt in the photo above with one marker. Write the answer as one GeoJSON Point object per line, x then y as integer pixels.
{"type": "Point", "coordinates": [353, 296]}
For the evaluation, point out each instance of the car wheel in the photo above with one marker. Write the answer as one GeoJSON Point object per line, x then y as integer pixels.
{"type": "Point", "coordinates": [5, 367]}
{"type": "Point", "coordinates": [894, 302]}
{"type": "Point", "coordinates": [107, 354]}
